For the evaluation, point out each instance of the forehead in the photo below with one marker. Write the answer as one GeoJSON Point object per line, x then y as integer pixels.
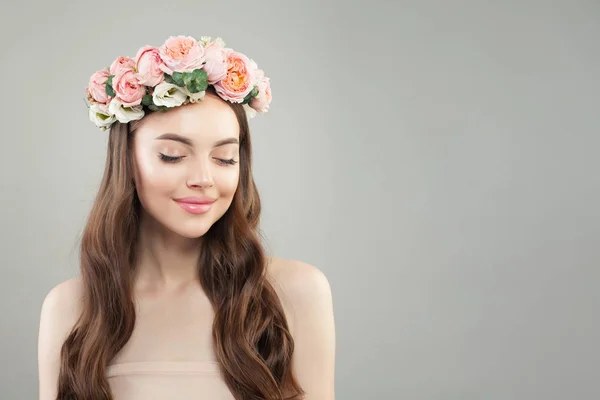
{"type": "Point", "coordinates": [203, 122]}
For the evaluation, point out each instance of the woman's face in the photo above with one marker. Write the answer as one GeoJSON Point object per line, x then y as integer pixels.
{"type": "Point", "coordinates": [189, 153]}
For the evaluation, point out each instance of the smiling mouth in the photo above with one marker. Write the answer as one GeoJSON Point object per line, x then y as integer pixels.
{"type": "Point", "coordinates": [195, 208]}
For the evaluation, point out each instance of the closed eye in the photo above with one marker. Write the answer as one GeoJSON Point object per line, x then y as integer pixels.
{"type": "Point", "coordinates": [171, 159]}
{"type": "Point", "coordinates": [231, 161]}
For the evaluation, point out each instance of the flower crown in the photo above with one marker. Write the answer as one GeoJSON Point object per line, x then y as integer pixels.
{"type": "Point", "coordinates": [174, 74]}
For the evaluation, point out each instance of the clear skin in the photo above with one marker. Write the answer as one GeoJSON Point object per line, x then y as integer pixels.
{"type": "Point", "coordinates": [169, 235]}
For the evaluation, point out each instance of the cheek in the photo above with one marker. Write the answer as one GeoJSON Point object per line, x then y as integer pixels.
{"type": "Point", "coordinates": [154, 179]}
{"type": "Point", "coordinates": [227, 182]}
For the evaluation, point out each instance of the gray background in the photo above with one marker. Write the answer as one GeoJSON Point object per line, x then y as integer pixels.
{"type": "Point", "coordinates": [437, 160]}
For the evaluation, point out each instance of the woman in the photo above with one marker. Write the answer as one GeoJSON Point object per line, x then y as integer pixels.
{"type": "Point", "coordinates": [177, 298]}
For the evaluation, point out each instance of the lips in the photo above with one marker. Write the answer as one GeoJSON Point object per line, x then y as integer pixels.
{"type": "Point", "coordinates": [196, 204]}
{"type": "Point", "coordinates": [196, 200]}
{"type": "Point", "coordinates": [195, 208]}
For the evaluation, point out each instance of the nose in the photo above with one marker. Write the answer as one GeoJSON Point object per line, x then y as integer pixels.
{"type": "Point", "coordinates": [200, 174]}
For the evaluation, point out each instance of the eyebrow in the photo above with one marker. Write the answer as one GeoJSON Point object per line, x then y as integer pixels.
{"type": "Point", "coordinates": [188, 142]}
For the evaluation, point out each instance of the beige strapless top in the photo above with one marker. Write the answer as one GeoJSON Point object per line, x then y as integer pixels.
{"type": "Point", "coordinates": [167, 380]}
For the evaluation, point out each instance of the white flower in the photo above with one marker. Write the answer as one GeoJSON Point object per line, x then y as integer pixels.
{"type": "Point", "coordinates": [204, 40]}
{"type": "Point", "coordinates": [168, 95]}
{"type": "Point", "coordinates": [250, 112]}
{"type": "Point", "coordinates": [194, 97]}
{"type": "Point", "coordinates": [220, 42]}
{"type": "Point", "coordinates": [101, 116]}
{"type": "Point", "coordinates": [125, 114]}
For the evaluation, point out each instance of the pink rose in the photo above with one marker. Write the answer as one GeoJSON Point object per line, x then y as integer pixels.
{"type": "Point", "coordinates": [239, 80]}
{"type": "Point", "coordinates": [120, 63]}
{"type": "Point", "coordinates": [261, 103]}
{"type": "Point", "coordinates": [97, 87]}
{"type": "Point", "coordinates": [127, 88]}
{"type": "Point", "coordinates": [147, 65]}
{"type": "Point", "coordinates": [181, 54]}
{"type": "Point", "coordinates": [215, 67]}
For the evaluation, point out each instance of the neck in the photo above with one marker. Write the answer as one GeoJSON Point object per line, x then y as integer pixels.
{"type": "Point", "coordinates": [166, 261]}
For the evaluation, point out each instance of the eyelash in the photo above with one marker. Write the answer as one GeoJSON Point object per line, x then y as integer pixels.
{"type": "Point", "coordinates": [173, 160]}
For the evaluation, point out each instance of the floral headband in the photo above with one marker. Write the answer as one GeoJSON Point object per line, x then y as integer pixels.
{"type": "Point", "coordinates": [174, 74]}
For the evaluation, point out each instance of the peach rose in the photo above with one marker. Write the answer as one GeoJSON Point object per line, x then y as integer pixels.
{"type": "Point", "coordinates": [127, 88]}
{"type": "Point", "coordinates": [240, 77]}
{"type": "Point", "coordinates": [181, 54]}
{"type": "Point", "coordinates": [147, 65]}
{"type": "Point", "coordinates": [120, 63]}
{"type": "Point", "coordinates": [96, 89]}
{"type": "Point", "coordinates": [263, 100]}
{"type": "Point", "coordinates": [215, 67]}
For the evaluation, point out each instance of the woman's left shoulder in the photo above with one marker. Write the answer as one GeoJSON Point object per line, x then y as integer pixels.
{"type": "Point", "coordinates": [305, 293]}
{"type": "Point", "coordinates": [303, 289]}
{"type": "Point", "coordinates": [299, 280]}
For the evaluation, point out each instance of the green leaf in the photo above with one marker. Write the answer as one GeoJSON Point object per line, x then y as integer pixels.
{"type": "Point", "coordinates": [147, 100]}
{"type": "Point", "coordinates": [253, 93]}
{"type": "Point", "coordinates": [201, 79]}
{"type": "Point", "coordinates": [199, 74]}
{"type": "Point", "coordinates": [154, 107]}
{"type": "Point", "coordinates": [109, 89]}
{"type": "Point", "coordinates": [195, 81]}
{"type": "Point", "coordinates": [178, 78]}
{"type": "Point", "coordinates": [201, 86]}
{"type": "Point", "coordinates": [192, 88]}
{"type": "Point", "coordinates": [169, 79]}
{"type": "Point", "coordinates": [188, 78]}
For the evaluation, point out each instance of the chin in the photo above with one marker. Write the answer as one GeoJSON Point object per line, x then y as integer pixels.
{"type": "Point", "coordinates": [193, 231]}
{"type": "Point", "coordinates": [192, 235]}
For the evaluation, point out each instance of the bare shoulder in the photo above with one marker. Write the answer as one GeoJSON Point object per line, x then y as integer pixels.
{"type": "Point", "coordinates": [302, 287]}
{"type": "Point", "coordinates": [300, 281]}
{"type": "Point", "coordinates": [306, 295]}
{"type": "Point", "coordinates": [63, 301]}
{"type": "Point", "coordinates": [59, 312]}
{"type": "Point", "coordinates": [297, 276]}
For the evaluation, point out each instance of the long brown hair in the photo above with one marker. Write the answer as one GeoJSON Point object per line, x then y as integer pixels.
{"type": "Point", "coordinates": [251, 338]}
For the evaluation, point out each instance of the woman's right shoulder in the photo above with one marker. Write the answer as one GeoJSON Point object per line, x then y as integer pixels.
{"type": "Point", "coordinates": [64, 298]}
{"type": "Point", "coordinates": [61, 307]}
{"type": "Point", "coordinates": [60, 310]}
